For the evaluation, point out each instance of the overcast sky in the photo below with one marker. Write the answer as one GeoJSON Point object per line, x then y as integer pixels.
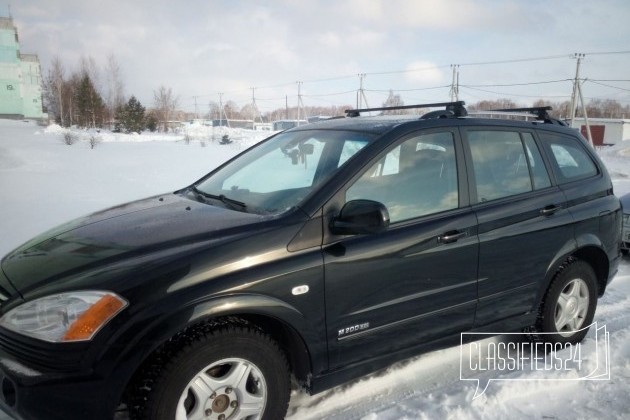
{"type": "Point", "coordinates": [202, 47]}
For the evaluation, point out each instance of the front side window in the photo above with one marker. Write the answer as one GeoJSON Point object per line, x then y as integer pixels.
{"type": "Point", "coordinates": [278, 174]}
{"type": "Point", "coordinates": [416, 178]}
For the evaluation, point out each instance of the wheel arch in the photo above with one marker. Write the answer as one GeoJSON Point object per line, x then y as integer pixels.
{"type": "Point", "coordinates": [598, 260]}
{"type": "Point", "coordinates": [591, 253]}
{"type": "Point", "coordinates": [280, 321]}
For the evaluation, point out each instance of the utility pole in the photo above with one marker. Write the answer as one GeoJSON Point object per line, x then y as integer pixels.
{"type": "Point", "coordinates": [222, 112]}
{"type": "Point", "coordinates": [577, 94]}
{"type": "Point", "coordinates": [576, 81]}
{"type": "Point", "coordinates": [588, 126]}
{"type": "Point", "coordinates": [196, 112]}
{"type": "Point", "coordinates": [455, 83]}
{"type": "Point", "coordinates": [300, 103]}
{"type": "Point", "coordinates": [254, 109]}
{"type": "Point", "coordinates": [361, 93]}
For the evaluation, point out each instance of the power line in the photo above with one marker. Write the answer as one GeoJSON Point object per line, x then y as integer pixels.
{"type": "Point", "coordinates": [609, 80]}
{"type": "Point", "coordinates": [429, 68]}
{"type": "Point", "coordinates": [608, 52]}
{"type": "Point", "coordinates": [610, 86]}
{"type": "Point", "coordinates": [520, 84]}
{"type": "Point", "coordinates": [408, 90]}
{"type": "Point", "coordinates": [513, 94]}
{"type": "Point", "coordinates": [330, 94]}
{"type": "Point", "coordinates": [515, 60]}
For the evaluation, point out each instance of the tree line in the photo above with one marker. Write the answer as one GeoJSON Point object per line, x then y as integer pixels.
{"type": "Point", "coordinates": [90, 97]}
{"type": "Point", "coordinates": [95, 98]}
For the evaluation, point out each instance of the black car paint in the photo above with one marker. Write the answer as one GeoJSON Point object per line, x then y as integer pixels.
{"type": "Point", "coordinates": [178, 262]}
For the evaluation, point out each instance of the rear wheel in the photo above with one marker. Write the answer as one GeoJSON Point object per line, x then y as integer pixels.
{"type": "Point", "coordinates": [569, 305]}
{"type": "Point", "coordinates": [226, 374]}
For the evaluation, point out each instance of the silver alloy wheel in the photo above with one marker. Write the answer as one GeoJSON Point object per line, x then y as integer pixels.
{"type": "Point", "coordinates": [572, 307]}
{"type": "Point", "coordinates": [225, 390]}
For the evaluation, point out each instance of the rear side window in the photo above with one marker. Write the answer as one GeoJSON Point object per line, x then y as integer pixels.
{"type": "Point", "coordinates": [505, 164]}
{"type": "Point", "coordinates": [540, 177]}
{"type": "Point", "coordinates": [571, 162]}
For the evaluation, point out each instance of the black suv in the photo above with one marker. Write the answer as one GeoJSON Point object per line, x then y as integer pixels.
{"type": "Point", "coordinates": [324, 252]}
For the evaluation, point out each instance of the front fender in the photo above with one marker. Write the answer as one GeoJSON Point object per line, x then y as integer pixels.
{"type": "Point", "coordinates": [133, 347]}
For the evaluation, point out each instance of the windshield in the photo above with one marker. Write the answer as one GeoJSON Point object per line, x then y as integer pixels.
{"type": "Point", "coordinates": [278, 174]}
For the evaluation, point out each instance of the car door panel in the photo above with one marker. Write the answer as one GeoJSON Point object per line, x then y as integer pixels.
{"type": "Point", "coordinates": [523, 219]}
{"type": "Point", "coordinates": [394, 290]}
{"type": "Point", "coordinates": [417, 281]}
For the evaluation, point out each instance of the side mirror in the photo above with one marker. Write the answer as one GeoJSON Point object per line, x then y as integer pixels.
{"type": "Point", "coordinates": [361, 217]}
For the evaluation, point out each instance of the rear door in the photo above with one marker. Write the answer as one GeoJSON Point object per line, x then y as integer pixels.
{"type": "Point", "coordinates": [418, 280]}
{"type": "Point", "coordinates": [523, 219]}
{"type": "Point", "coordinates": [595, 210]}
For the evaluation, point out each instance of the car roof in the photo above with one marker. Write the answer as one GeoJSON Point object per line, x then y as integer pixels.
{"type": "Point", "coordinates": [375, 125]}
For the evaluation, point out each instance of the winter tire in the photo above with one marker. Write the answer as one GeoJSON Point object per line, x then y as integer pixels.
{"type": "Point", "coordinates": [569, 305]}
{"type": "Point", "coordinates": [234, 373]}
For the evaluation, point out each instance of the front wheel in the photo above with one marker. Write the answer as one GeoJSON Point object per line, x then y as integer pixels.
{"type": "Point", "coordinates": [226, 374]}
{"type": "Point", "coordinates": [569, 305]}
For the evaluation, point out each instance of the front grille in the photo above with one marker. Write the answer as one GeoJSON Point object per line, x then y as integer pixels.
{"type": "Point", "coordinates": [626, 219]}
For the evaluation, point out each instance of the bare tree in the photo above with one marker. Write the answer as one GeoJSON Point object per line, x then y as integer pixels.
{"type": "Point", "coordinates": [115, 95]}
{"type": "Point", "coordinates": [88, 67]}
{"type": "Point", "coordinates": [165, 103]}
{"type": "Point", "coordinates": [214, 112]}
{"type": "Point", "coordinates": [486, 105]}
{"type": "Point", "coordinates": [231, 110]}
{"type": "Point", "coordinates": [394, 100]}
{"type": "Point", "coordinates": [55, 86]}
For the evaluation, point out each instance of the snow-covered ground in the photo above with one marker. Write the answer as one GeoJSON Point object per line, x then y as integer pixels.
{"type": "Point", "coordinates": [44, 182]}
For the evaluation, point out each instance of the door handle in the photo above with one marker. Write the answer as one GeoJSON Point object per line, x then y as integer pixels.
{"type": "Point", "coordinates": [549, 210]}
{"type": "Point", "coordinates": [453, 236]}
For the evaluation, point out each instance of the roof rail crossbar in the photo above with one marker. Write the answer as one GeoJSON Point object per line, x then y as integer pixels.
{"type": "Point", "coordinates": [539, 111]}
{"type": "Point", "coordinates": [457, 108]}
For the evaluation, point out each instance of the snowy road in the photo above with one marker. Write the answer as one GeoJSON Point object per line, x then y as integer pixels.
{"type": "Point", "coordinates": [44, 183]}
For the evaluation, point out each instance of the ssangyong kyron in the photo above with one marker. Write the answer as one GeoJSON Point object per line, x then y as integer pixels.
{"type": "Point", "coordinates": [322, 253]}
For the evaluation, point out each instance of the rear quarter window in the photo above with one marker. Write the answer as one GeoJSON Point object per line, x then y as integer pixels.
{"type": "Point", "coordinates": [569, 158]}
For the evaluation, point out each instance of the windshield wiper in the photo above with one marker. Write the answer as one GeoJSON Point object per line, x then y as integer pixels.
{"type": "Point", "coordinates": [225, 200]}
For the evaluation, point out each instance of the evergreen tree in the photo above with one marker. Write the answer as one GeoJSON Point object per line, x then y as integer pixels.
{"type": "Point", "coordinates": [152, 122]}
{"type": "Point", "coordinates": [90, 107]}
{"type": "Point", "coordinates": [131, 116]}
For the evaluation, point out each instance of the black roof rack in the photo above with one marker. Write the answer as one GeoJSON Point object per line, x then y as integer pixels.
{"type": "Point", "coordinates": [539, 111]}
{"type": "Point", "coordinates": [453, 109]}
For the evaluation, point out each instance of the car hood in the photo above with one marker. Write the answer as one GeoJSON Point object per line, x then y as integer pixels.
{"type": "Point", "coordinates": [132, 229]}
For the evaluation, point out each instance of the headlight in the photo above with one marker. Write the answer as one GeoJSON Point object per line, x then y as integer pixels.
{"type": "Point", "coordinates": [73, 316]}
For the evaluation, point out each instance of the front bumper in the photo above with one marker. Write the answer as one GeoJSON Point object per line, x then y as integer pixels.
{"type": "Point", "coordinates": [29, 394]}
{"type": "Point", "coordinates": [54, 381]}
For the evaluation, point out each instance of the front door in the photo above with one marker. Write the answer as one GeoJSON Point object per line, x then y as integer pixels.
{"type": "Point", "coordinates": [418, 280]}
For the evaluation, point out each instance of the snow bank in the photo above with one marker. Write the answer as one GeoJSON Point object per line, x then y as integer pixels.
{"type": "Point", "coordinates": [188, 133]}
